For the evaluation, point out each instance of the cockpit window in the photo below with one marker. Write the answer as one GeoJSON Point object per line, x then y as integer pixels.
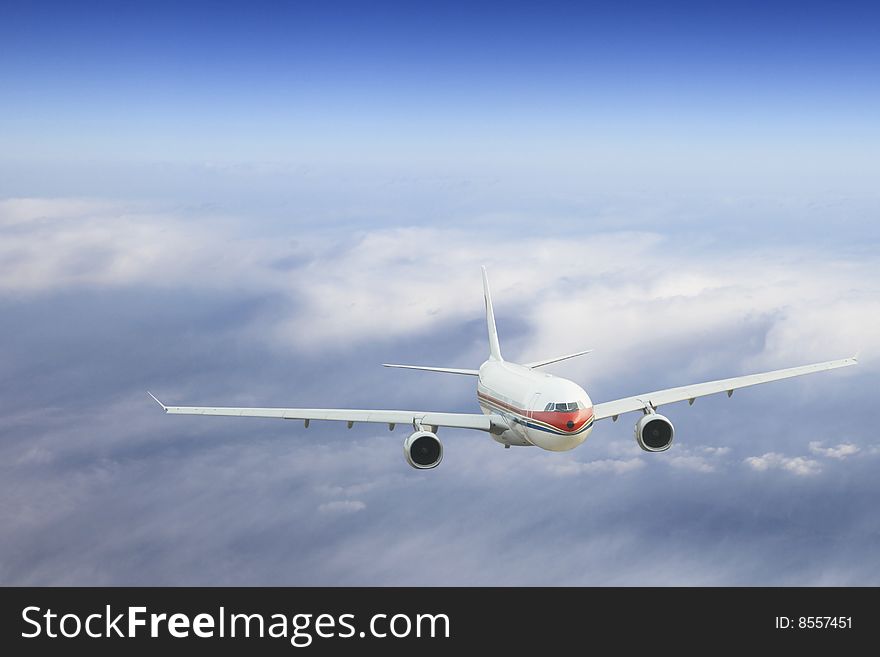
{"type": "Point", "coordinates": [564, 407]}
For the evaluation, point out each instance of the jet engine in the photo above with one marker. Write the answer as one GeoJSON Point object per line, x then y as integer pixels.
{"type": "Point", "coordinates": [654, 433]}
{"type": "Point", "coordinates": [423, 450]}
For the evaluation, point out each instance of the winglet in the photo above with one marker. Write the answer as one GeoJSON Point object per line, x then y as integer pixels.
{"type": "Point", "coordinates": [164, 407]}
{"type": "Point", "coordinates": [494, 347]}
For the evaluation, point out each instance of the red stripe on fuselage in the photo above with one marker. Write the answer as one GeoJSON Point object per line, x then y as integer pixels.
{"type": "Point", "coordinates": [556, 419]}
{"type": "Point", "coordinates": [560, 419]}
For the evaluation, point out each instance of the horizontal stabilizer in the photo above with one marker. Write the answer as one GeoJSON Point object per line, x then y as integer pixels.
{"type": "Point", "coordinates": [541, 363]}
{"type": "Point", "coordinates": [445, 370]}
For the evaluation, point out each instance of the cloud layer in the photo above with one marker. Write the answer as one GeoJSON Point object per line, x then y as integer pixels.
{"type": "Point", "coordinates": [100, 300]}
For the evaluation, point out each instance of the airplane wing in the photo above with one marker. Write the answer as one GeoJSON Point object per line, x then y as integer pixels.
{"type": "Point", "coordinates": [639, 402]}
{"type": "Point", "coordinates": [425, 418]}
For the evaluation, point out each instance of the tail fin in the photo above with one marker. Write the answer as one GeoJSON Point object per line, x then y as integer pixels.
{"type": "Point", "coordinates": [494, 347]}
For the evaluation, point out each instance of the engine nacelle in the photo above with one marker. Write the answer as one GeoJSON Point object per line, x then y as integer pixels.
{"type": "Point", "coordinates": [423, 450]}
{"type": "Point", "coordinates": [654, 433]}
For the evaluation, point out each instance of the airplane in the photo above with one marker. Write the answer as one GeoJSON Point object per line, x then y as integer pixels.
{"type": "Point", "coordinates": [521, 405]}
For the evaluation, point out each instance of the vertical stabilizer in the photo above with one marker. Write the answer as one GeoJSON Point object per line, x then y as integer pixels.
{"type": "Point", "coordinates": [494, 347]}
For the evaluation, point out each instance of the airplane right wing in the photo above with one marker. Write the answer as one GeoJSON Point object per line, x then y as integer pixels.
{"type": "Point", "coordinates": [492, 423]}
{"type": "Point", "coordinates": [639, 402]}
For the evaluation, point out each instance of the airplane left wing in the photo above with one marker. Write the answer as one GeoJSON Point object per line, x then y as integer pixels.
{"type": "Point", "coordinates": [425, 418]}
{"type": "Point", "coordinates": [639, 402]}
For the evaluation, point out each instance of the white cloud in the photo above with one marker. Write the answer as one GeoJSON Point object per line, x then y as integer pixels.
{"type": "Point", "coordinates": [713, 451]}
{"type": "Point", "coordinates": [616, 466]}
{"type": "Point", "coordinates": [395, 282]}
{"type": "Point", "coordinates": [797, 465]}
{"type": "Point", "coordinates": [32, 211]}
{"type": "Point", "coordinates": [36, 455]}
{"type": "Point", "coordinates": [347, 491]}
{"type": "Point", "coordinates": [695, 463]}
{"type": "Point", "coordinates": [337, 482]}
{"type": "Point", "coordinates": [342, 506]}
{"type": "Point", "coordinates": [62, 243]}
{"type": "Point", "coordinates": [700, 458]}
{"type": "Point", "coordinates": [841, 451]}
{"type": "Point", "coordinates": [618, 448]}
{"type": "Point", "coordinates": [387, 284]}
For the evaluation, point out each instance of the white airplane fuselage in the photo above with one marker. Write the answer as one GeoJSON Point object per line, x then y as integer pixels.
{"type": "Point", "coordinates": [541, 409]}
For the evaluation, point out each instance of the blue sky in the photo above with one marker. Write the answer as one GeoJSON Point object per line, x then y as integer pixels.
{"type": "Point", "coordinates": [455, 88]}
{"type": "Point", "coordinates": [258, 203]}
